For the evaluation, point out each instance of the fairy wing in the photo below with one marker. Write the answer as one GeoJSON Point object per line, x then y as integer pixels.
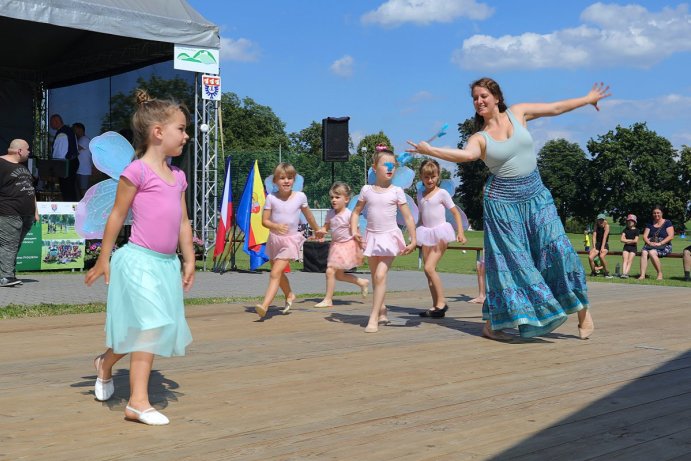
{"type": "Point", "coordinates": [271, 187]}
{"type": "Point", "coordinates": [111, 153]}
{"type": "Point", "coordinates": [413, 210]}
{"type": "Point", "coordinates": [448, 186]}
{"type": "Point", "coordinates": [362, 222]}
{"type": "Point", "coordinates": [93, 210]}
{"type": "Point", "coordinates": [403, 177]}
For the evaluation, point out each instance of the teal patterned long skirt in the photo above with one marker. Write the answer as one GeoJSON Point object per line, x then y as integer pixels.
{"type": "Point", "coordinates": [534, 276]}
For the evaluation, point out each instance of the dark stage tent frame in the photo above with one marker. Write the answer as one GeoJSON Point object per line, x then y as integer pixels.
{"type": "Point", "coordinates": [55, 43]}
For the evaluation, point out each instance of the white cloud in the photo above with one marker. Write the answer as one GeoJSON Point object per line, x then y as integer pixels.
{"type": "Point", "coordinates": [241, 49]}
{"type": "Point", "coordinates": [423, 12]}
{"type": "Point", "coordinates": [666, 107]}
{"type": "Point", "coordinates": [343, 67]}
{"type": "Point", "coordinates": [611, 35]}
{"type": "Point", "coordinates": [422, 96]}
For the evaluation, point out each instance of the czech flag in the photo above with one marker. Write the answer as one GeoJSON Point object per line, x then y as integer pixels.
{"type": "Point", "coordinates": [249, 218]}
{"type": "Point", "coordinates": [226, 213]}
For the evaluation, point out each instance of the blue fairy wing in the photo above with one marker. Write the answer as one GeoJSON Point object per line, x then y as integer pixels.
{"type": "Point", "coordinates": [403, 177]}
{"type": "Point", "coordinates": [413, 210]}
{"type": "Point", "coordinates": [111, 153]}
{"type": "Point", "coordinates": [448, 186]}
{"type": "Point", "coordinates": [298, 183]}
{"type": "Point", "coordinates": [419, 187]}
{"type": "Point", "coordinates": [271, 187]}
{"type": "Point", "coordinates": [452, 221]}
{"type": "Point", "coordinates": [371, 177]}
{"type": "Point", "coordinates": [93, 210]}
{"type": "Point", "coordinates": [362, 223]}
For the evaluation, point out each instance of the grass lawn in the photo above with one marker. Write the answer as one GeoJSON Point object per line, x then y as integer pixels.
{"type": "Point", "coordinates": [464, 263]}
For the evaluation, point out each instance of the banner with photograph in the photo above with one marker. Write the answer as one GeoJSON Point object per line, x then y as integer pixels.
{"type": "Point", "coordinates": [52, 243]}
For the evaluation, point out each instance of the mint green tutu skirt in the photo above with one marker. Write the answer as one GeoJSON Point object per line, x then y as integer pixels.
{"type": "Point", "coordinates": [145, 310]}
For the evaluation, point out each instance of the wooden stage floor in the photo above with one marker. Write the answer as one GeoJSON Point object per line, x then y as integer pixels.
{"type": "Point", "coordinates": [313, 386]}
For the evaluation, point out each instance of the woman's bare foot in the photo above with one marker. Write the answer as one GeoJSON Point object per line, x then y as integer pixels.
{"type": "Point", "coordinates": [478, 300]}
{"type": "Point", "coordinates": [585, 324]}
{"type": "Point", "coordinates": [496, 335]}
{"type": "Point", "coordinates": [659, 276]}
{"type": "Point", "coordinates": [642, 277]}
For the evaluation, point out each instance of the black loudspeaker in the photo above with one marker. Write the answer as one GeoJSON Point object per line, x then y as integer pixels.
{"type": "Point", "coordinates": [335, 139]}
{"type": "Point", "coordinates": [314, 256]}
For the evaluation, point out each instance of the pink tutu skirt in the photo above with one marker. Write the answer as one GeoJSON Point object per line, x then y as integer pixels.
{"type": "Point", "coordinates": [284, 246]}
{"type": "Point", "coordinates": [431, 236]}
{"type": "Point", "coordinates": [344, 255]}
{"type": "Point", "coordinates": [384, 243]}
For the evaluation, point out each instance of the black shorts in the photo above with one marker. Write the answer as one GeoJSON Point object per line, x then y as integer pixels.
{"type": "Point", "coordinates": [631, 248]}
{"type": "Point", "coordinates": [599, 246]}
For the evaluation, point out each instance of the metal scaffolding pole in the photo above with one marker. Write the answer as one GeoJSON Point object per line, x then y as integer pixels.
{"type": "Point", "coordinates": [205, 169]}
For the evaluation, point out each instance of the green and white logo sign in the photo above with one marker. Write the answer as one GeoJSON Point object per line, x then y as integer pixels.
{"type": "Point", "coordinates": [194, 59]}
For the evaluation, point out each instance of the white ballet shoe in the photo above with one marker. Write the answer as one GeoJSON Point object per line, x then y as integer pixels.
{"type": "Point", "coordinates": [150, 416]}
{"type": "Point", "coordinates": [323, 304]}
{"type": "Point", "coordinates": [260, 310]}
{"type": "Point", "coordinates": [364, 291]}
{"type": "Point", "coordinates": [104, 389]}
{"type": "Point", "coordinates": [369, 329]}
{"type": "Point", "coordinates": [286, 308]}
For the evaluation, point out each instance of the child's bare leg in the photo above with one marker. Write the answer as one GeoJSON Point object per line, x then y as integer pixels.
{"type": "Point", "coordinates": [480, 299]}
{"type": "Point", "coordinates": [431, 256]}
{"type": "Point", "coordinates": [330, 286]}
{"type": "Point", "coordinates": [140, 370]}
{"type": "Point", "coordinates": [278, 267]}
{"type": "Point", "coordinates": [104, 364]}
{"type": "Point", "coordinates": [379, 267]}
{"type": "Point", "coordinates": [350, 278]}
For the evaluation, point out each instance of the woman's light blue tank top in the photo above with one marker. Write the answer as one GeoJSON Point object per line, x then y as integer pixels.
{"type": "Point", "coordinates": [513, 157]}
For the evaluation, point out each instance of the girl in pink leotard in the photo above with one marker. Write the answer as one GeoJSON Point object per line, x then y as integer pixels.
{"type": "Point", "coordinates": [383, 239]}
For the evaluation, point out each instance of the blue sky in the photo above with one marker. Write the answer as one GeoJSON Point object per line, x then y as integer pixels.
{"type": "Point", "coordinates": [404, 66]}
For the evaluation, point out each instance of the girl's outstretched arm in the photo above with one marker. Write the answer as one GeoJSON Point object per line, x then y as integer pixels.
{"type": "Point", "coordinates": [531, 111]}
{"type": "Point", "coordinates": [123, 200]}
{"type": "Point", "coordinates": [410, 225]}
{"type": "Point", "coordinates": [185, 242]}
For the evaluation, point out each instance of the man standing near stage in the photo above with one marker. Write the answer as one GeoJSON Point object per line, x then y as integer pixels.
{"type": "Point", "coordinates": [17, 208]}
{"type": "Point", "coordinates": [65, 147]}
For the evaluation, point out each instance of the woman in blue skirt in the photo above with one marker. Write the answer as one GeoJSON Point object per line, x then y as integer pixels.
{"type": "Point", "coordinates": [534, 276]}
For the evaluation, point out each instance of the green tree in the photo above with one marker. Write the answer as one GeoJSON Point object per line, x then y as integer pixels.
{"type": "Point", "coordinates": [250, 126]}
{"type": "Point", "coordinates": [685, 174]}
{"type": "Point", "coordinates": [473, 176]}
{"type": "Point", "coordinates": [563, 166]}
{"type": "Point", "coordinates": [634, 169]}
{"type": "Point", "coordinates": [123, 105]}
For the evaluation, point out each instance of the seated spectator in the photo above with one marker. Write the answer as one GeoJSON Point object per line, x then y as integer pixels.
{"type": "Point", "coordinates": [600, 246]}
{"type": "Point", "coordinates": [629, 237]}
{"type": "Point", "coordinates": [687, 263]}
{"type": "Point", "coordinates": [658, 237]}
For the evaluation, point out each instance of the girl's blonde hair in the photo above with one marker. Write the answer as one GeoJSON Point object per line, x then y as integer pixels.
{"type": "Point", "coordinates": [340, 188]}
{"type": "Point", "coordinates": [429, 166]}
{"type": "Point", "coordinates": [380, 151]}
{"type": "Point", "coordinates": [286, 169]}
{"type": "Point", "coordinates": [149, 112]}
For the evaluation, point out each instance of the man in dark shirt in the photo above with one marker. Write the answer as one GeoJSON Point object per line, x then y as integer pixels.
{"type": "Point", "coordinates": [18, 209]}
